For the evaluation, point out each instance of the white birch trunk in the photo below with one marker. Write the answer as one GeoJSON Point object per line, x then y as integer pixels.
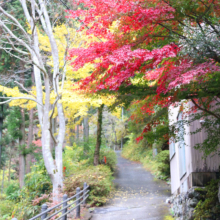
{"type": "Point", "coordinates": [31, 44]}
{"type": "Point", "coordinates": [54, 167]}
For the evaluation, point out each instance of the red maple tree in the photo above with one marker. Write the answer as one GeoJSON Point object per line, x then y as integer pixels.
{"type": "Point", "coordinates": [142, 42]}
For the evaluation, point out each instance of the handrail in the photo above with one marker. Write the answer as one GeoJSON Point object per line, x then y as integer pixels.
{"type": "Point", "coordinates": [78, 196]}
{"type": "Point", "coordinates": [65, 206]}
{"type": "Point", "coordinates": [72, 208]}
{"type": "Point", "coordinates": [50, 209]}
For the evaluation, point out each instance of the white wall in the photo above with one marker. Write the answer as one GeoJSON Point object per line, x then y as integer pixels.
{"type": "Point", "coordinates": [178, 181]}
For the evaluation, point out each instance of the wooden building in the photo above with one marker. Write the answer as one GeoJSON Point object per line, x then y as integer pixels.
{"type": "Point", "coordinates": [188, 166]}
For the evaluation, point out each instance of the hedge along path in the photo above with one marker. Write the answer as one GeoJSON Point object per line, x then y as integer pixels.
{"type": "Point", "coordinates": [138, 195]}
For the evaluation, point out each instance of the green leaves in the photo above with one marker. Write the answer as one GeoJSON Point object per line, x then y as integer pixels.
{"type": "Point", "coordinates": [208, 206]}
{"type": "Point", "coordinates": [99, 178]}
{"type": "Point", "coordinates": [13, 122]}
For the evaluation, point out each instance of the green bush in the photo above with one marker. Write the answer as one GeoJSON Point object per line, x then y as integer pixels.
{"type": "Point", "coordinates": [134, 151]}
{"type": "Point", "coordinates": [159, 166]}
{"type": "Point", "coordinates": [24, 209]}
{"type": "Point", "coordinates": [209, 206]}
{"type": "Point", "coordinates": [111, 159]}
{"type": "Point", "coordinates": [163, 159]}
{"type": "Point", "coordinates": [6, 208]}
{"type": "Point", "coordinates": [37, 182]}
{"type": "Point", "coordinates": [75, 158]}
{"type": "Point", "coordinates": [25, 203]}
{"type": "Point", "coordinates": [13, 192]}
{"type": "Point", "coordinates": [99, 178]}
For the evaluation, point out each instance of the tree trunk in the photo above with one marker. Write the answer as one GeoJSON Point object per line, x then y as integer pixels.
{"type": "Point", "coordinates": [114, 131]}
{"type": "Point", "coordinates": [21, 170]}
{"type": "Point", "coordinates": [21, 153]}
{"type": "Point", "coordinates": [77, 133]}
{"type": "Point", "coordinates": [99, 135]}
{"type": "Point", "coordinates": [9, 166]}
{"type": "Point", "coordinates": [41, 75]}
{"type": "Point", "coordinates": [53, 129]}
{"type": "Point", "coordinates": [3, 177]}
{"type": "Point", "coordinates": [115, 146]}
{"type": "Point", "coordinates": [30, 132]}
{"type": "Point", "coordinates": [85, 128]}
{"type": "Point", "coordinates": [1, 124]}
{"type": "Point", "coordinates": [85, 134]}
{"type": "Point", "coordinates": [30, 139]}
{"type": "Point", "coordinates": [71, 136]}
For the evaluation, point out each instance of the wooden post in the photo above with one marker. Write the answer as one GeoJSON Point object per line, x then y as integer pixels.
{"type": "Point", "coordinates": [43, 209]}
{"type": "Point", "coordinates": [65, 197]}
{"type": "Point", "coordinates": [84, 193]}
{"type": "Point", "coordinates": [78, 203]}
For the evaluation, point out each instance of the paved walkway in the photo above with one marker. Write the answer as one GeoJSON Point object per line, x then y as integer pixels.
{"type": "Point", "coordinates": [138, 195]}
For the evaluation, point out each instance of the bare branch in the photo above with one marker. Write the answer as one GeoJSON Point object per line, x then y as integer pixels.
{"type": "Point", "coordinates": [40, 13]}
{"type": "Point", "coordinates": [25, 89]}
{"type": "Point", "coordinates": [17, 98]}
{"type": "Point", "coordinates": [13, 55]}
{"type": "Point", "coordinates": [205, 110]}
{"type": "Point", "coordinates": [14, 36]}
{"type": "Point", "coordinates": [16, 22]}
{"type": "Point", "coordinates": [14, 48]}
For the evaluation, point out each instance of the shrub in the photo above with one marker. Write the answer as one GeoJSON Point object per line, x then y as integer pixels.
{"type": "Point", "coordinates": [159, 166]}
{"type": "Point", "coordinates": [111, 158]}
{"type": "Point", "coordinates": [134, 151]}
{"type": "Point", "coordinates": [75, 158]}
{"type": "Point", "coordinates": [13, 192]}
{"type": "Point", "coordinates": [24, 209]}
{"type": "Point", "coordinates": [12, 188]}
{"type": "Point", "coordinates": [99, 178]}
{"type": "Point", "coordinates": [37, 182]}
{"type": "Point", "coordinates": [209, 206]}
{"type": "Point", "coordinates": [6, 208]}
{"type": "Point", "coordinates": [163, 159]}
{"type": "Point", "coordinates": [168, 217]}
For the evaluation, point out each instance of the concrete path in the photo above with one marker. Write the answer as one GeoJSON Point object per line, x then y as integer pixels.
{"type": "Point", "coordinates": [138, 196]}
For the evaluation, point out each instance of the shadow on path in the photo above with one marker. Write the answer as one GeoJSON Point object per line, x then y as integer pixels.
{"type": "Point", "coordinates": [138, 196]}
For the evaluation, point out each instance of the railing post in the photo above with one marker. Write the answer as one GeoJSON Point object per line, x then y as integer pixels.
{"type": "Point", "coordinates": [78, 203]}
{"type": "Point", "coordinates": [43, 209]}
{"type": "Point", "coordinates": [84, 193]}
{"type": "Point", "coordinates": [65, 197]}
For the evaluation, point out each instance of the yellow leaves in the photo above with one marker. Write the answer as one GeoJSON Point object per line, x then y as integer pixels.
{"type": "Point", "coordinates": [117, 112]}
{"type": "Point", "coordinates": [14, 92]}
{"type": "Point", "coordinates": [44, 42]}
{"type": "Point", "coordinates": [114, 27]}
{"type": "Point", "coordinates": [81, 73]}
{"type": "Point", "coordinates": [136, 81]}
{"type": "Point", "coordinates": [66, 38]}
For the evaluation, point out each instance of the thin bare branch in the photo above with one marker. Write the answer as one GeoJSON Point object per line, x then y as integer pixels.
{"type": "Point", "coordinates": [17, 98]}
{"type": "Point", "coordinates": [25, 89]}
{"type": "Point", "coordinates": [16, 22]}
{"type": "Point", "coordinates": [204, 109]}
{"type": "Point", "coordinates": [14, 36]}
